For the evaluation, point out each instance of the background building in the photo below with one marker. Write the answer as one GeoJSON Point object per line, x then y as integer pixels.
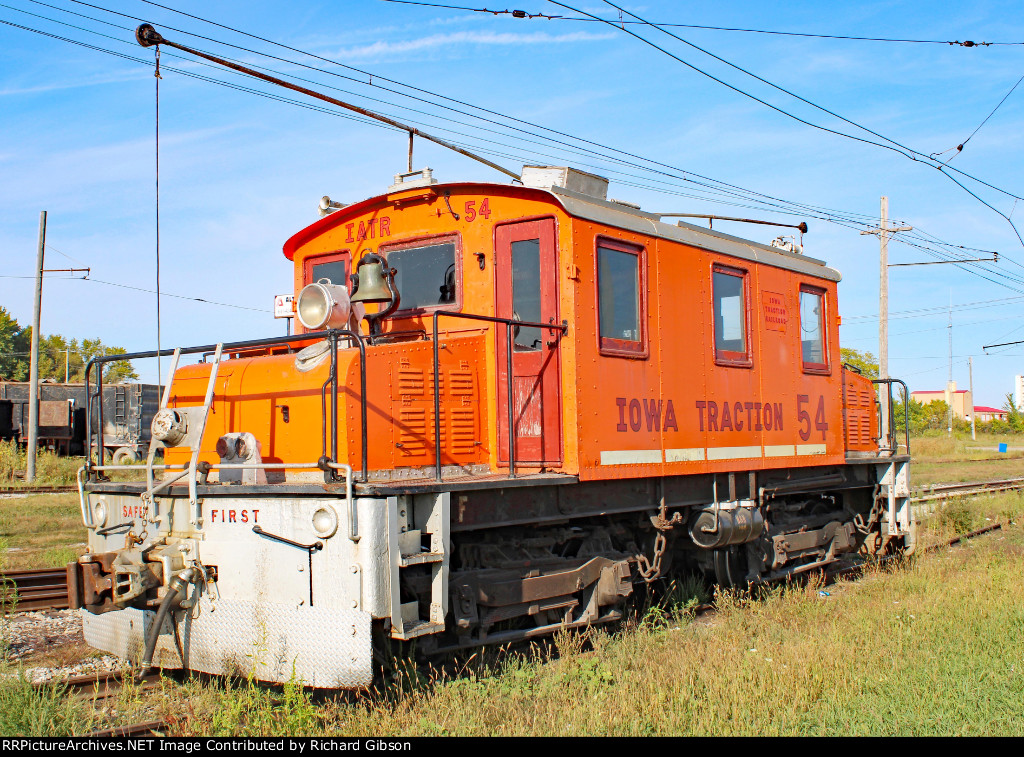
{"type": "Point", "coordinates": [959, 399]}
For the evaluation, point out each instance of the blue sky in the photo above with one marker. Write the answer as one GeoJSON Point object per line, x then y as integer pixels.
{"type": "Point", "coordinates": [241, 173]}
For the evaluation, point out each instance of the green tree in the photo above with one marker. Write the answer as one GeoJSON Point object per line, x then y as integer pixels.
{"type": "Point", "coordinates": [57, 355]}
{"type": "Point", "coordinates": [865, 362]}
{"type": "Point", "coordinates": [14, 348]}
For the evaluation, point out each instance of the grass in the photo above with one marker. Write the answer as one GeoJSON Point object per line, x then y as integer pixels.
{"type": "Point", "coordinates": [944, 459]}
{"type": "Point", "coordinates": [40, 531]}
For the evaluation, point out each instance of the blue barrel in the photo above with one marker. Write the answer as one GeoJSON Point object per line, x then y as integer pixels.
{"type": "Point", "coordinates": [1002, 446]}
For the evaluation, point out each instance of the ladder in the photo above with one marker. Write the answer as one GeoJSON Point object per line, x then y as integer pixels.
{"type": "Point", "coordinates": [120, 412]}
{"type": "Point", "coordinates": [406, 548]}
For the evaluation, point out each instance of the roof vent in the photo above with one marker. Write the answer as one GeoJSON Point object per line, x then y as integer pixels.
{"type": "Point", "coordinates": [546, 177]}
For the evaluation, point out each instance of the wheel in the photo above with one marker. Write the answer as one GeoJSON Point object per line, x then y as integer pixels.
{"type": "Point", "coordinates": [729, 569]}
{"type": "Point", "coordinates": [125, 456]}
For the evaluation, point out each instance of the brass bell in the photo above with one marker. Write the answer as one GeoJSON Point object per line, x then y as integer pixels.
{"type": "Point", "coordinates": [371, 286]}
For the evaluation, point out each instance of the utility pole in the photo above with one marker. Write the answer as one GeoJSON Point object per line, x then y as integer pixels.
{"type": "Point", "coordinates": [970, 384]}
{"type": "Point", "coordinates": [949, 381]}
{"type": "Point", "coordinates": [883, 231]}
{"type": "Point", "coordinates": [33, 389]}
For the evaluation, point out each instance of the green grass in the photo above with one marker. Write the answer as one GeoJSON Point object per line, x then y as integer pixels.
{"type": "Point", "coordinates": [40, 531]}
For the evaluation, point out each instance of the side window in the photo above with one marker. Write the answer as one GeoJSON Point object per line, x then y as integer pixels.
{"type": "Point", "coordinates": [812, 330]}
{"type": "Point", "coordinates": [621, 301]}
{"type": "Point", "coordinates": [729, 297]}
{"type": "Point", "coordinates": [334, 267]}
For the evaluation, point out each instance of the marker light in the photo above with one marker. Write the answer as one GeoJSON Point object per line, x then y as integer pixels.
{"type": "Point", "coordinates": [325, 521]}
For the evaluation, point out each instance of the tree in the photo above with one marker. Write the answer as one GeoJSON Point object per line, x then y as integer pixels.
{"type": "Point", "coordinates": [57, 355]}
{"type": "Point", "coordinates": [14, 348]}
{"type": "Point", "coordinates": [865, 362]}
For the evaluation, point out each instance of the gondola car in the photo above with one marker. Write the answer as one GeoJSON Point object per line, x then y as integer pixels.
{"type": "Point", "coordinates": [508, 407]}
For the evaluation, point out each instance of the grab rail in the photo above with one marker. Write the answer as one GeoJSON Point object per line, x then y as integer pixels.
{"type": "Point", "coordinates": [508, 323]}
{"type": "Point", "coordinates": [331, 335]}
{"type": "Point", "coordinates": [889, 433]}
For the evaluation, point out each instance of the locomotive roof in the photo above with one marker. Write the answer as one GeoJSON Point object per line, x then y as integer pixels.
{"type": "Point", "coordinates": [608, 213]}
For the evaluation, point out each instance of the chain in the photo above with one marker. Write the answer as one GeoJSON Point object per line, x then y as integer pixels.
{"type": "Point", "coordinates": [651, 569]}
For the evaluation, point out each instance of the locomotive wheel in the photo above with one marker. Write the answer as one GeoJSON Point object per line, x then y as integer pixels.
{"type": "Point", "coordinates": [729, 570]}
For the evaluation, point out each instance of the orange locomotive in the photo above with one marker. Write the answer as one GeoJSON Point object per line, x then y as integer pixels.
{"type": "Point", "coordinates": [554, 397]}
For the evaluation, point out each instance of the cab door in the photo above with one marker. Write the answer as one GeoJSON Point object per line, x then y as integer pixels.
{"type": "Point", "coordinates": [526, 269]}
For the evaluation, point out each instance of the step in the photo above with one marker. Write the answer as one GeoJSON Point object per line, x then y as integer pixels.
{"type": "Point", "coordinates": [421, 558]}
{"type": "Point", "coordinates": [416, 628]}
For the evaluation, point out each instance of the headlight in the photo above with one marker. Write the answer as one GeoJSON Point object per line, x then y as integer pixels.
{"type": "Point", "coordinates": [325, 521]}
{"type": "Point", "coordinates": [323, 305]}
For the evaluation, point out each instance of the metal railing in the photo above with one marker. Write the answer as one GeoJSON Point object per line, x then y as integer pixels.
{"type": "Point", "coordinates": [889, 434]}
{"type": "Point", "coordinates": [95, 409]}
{"type": "Point", "coordinates": [563, 327]}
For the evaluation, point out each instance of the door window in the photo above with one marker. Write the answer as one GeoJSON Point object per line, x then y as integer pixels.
{"type": "Point", "coordinates": [526, 294]}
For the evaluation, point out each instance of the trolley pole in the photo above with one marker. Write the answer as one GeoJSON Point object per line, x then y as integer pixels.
{"type": "Point", "coordinates": [33, 388]}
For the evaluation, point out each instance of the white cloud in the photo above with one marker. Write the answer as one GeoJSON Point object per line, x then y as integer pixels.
{"type": "Point", "coordinates": [381, 49]}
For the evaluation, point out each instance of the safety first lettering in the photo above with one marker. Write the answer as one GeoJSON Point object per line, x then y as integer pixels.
{"type": "Point", "coordinates": [234, 516]}
{"type": "Point", "coordinates": [714, 415]}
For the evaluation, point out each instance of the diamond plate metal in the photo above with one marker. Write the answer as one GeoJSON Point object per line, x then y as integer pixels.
{"type": "Point", "coordinates": [315, 646]}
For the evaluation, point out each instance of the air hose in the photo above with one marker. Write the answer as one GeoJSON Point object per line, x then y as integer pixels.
{"type": "Point", "coordinates": [175, 593]}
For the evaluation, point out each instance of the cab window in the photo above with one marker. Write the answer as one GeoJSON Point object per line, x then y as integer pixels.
{"type": "Point", "coordinates": [729, 297]}
{"type": "Point", "coordinates": [812, 330]}
{"type": "Point", "coordinates": [621, 302]}
{"type": "Point", "coordinates": [426, 275]}
{"type": "Point", "coordinates": [334, 267]}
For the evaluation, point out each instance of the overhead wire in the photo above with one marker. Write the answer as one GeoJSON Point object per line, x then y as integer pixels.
{"type": "Point", "coordinates": [551, 17]}
{"type": "Point", "coordinates": [717, 189]}
{"type": "Point", "coordinates": [894, 146]}
{"type": "Point", "coordinates": [960, 147]}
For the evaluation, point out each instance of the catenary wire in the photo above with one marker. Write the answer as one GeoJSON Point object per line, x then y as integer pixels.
{"type": "Point", "coordinates": [550, 17]}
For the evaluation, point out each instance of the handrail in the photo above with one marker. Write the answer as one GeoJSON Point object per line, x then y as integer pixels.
{"type": "Point", "coordinates": [508, 323]}
{"type": "Point", "coordinates": [331, 334]}
{"type": "Point", "coordinates": [890, 435]}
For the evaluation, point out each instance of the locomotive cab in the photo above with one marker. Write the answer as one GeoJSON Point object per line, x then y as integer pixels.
{"type": "Point", "coordinates": [506, 407]}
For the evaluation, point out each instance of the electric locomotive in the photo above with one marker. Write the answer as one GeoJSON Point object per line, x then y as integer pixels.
{"type": "Point", "coordinates": [508, 406]}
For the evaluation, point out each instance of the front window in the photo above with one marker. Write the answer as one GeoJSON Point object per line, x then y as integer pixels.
{"type": "Point", "coordinates": [426, 275]}
{"type": "Point", "coordinates": [729, 292]}
{"type": "Point", "coordinates": [334, 267]}
{"type": "Point", "coordinates": [812, 329]}
{"type": "Point", "coordinates": [335, 271]}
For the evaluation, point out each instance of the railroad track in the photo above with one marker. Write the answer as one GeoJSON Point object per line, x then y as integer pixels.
{"type": "Point", "coordinates": [37, 489]}
{"type": "Point", "coordinates": [973, 488]}
{"type": "Point", "coordinates": [43, 589]}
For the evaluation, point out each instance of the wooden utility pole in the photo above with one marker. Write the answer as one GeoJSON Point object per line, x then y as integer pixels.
{"type": "Point", "coordinates": [33, 388]}
{"type": "Point", "coordinates": [970, 380]}
{"type": "Point", "coordinates": [883, 231]}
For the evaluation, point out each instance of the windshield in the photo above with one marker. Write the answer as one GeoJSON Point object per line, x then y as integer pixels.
{"type": "Point", "coordinates": [425, 275]}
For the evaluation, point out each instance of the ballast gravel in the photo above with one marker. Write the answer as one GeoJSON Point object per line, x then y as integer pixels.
{"type": "Point", "coordinates": [27, 636]}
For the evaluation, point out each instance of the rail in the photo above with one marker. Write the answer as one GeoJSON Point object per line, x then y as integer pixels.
{"type": "Point", "coordinates": [332, 335]}
{"type": "Point", "coordinates": [41, 589]}
{"type": "Point", "coordinates": [889, 432]}
{"type": "Point", "coordinates": [508, 323]}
